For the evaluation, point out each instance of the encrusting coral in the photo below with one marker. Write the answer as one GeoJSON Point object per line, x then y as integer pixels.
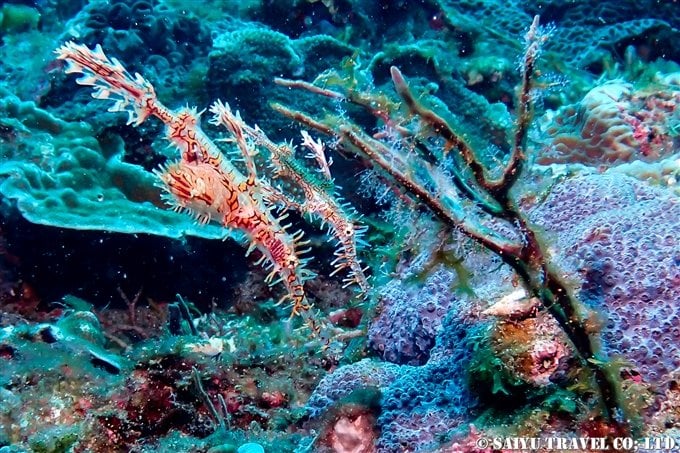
{"type": "Point", "coordinates": [61, 174]}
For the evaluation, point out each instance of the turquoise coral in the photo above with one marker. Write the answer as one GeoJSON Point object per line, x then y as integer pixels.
{"type": "Point", "coordinates": [60, 175]}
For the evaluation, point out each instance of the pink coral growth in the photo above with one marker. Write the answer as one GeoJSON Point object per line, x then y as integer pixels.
{"type": "Point", "coordinates": [614, 123]}
{"type": "Point", "coordinates": [353, 436]}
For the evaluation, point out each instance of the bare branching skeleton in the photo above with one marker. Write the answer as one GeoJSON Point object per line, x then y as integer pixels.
{"type": "Point", "coordinates": [469, 179]}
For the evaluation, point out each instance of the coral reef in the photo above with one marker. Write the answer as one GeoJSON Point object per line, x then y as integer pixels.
{"type": "Point", "coordinates": [155, 35]}
{"type": "Point", "coordinates": [484, 277]}
{"type": "Point", "coordinates": [68, 376]}
{"type": "Point", "coordinates": [447, 183]}
{"type": "Point", "coordinates": [410, 318]}
{"type": "Point", "coordinates": [418, 404]}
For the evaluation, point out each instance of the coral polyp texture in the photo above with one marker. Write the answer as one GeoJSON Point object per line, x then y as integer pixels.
{"type": "Point", "coordinates": [616, 123]}
{"type": "Point", "coordinates": [339, 226]}
{"type": "Point", "coordinates": [602, 224]}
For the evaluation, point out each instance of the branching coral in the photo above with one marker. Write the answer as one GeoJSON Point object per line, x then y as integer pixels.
{"type": "Point", "coordinates": [427, 159]}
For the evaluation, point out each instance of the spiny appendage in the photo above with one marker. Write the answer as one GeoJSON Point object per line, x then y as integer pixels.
{"type": "Point", "coordinates": [320, 201]}
{"type": "Point", "coordinates": [317, 152]}
{"type": "Point", "coordinates": [237, 201]}
{"type": "Point", "coordinates": [349, 236]}
{"type": "Point", "coordinates": [202, 182]}
{"type": "Point", "coordinates": [110, 80]}
{"type": "Point", "coordinates": [223, 115]}
{"type": "Point", "coordinates": [322, 205]}
{"type": "Point", "coordinates": [206, 192]}
{"type": "Point", "coordinates": [328, 207]}
{"type": "Point", "coordinates": [281, 250]}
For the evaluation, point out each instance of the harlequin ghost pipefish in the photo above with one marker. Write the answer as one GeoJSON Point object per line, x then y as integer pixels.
{"type": "Point", "coordinates": [201, 181]}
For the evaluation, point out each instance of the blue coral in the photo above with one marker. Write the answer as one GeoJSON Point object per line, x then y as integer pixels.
{"type": "Point", "coordinates": [411, 317]}
{"type": "Point", "coordinates": [420, 405]}
{"type": "Point", "coordinates": [425, 404]}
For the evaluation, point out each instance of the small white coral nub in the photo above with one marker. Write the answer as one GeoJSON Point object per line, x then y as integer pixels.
{"type": "Point", "coordinates": [514, 306]}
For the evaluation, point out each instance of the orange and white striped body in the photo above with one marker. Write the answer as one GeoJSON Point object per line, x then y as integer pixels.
{"type": "Point", "coordinates": [202, 181]}
{"type": "Point", "coordinates": [204, 190]}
